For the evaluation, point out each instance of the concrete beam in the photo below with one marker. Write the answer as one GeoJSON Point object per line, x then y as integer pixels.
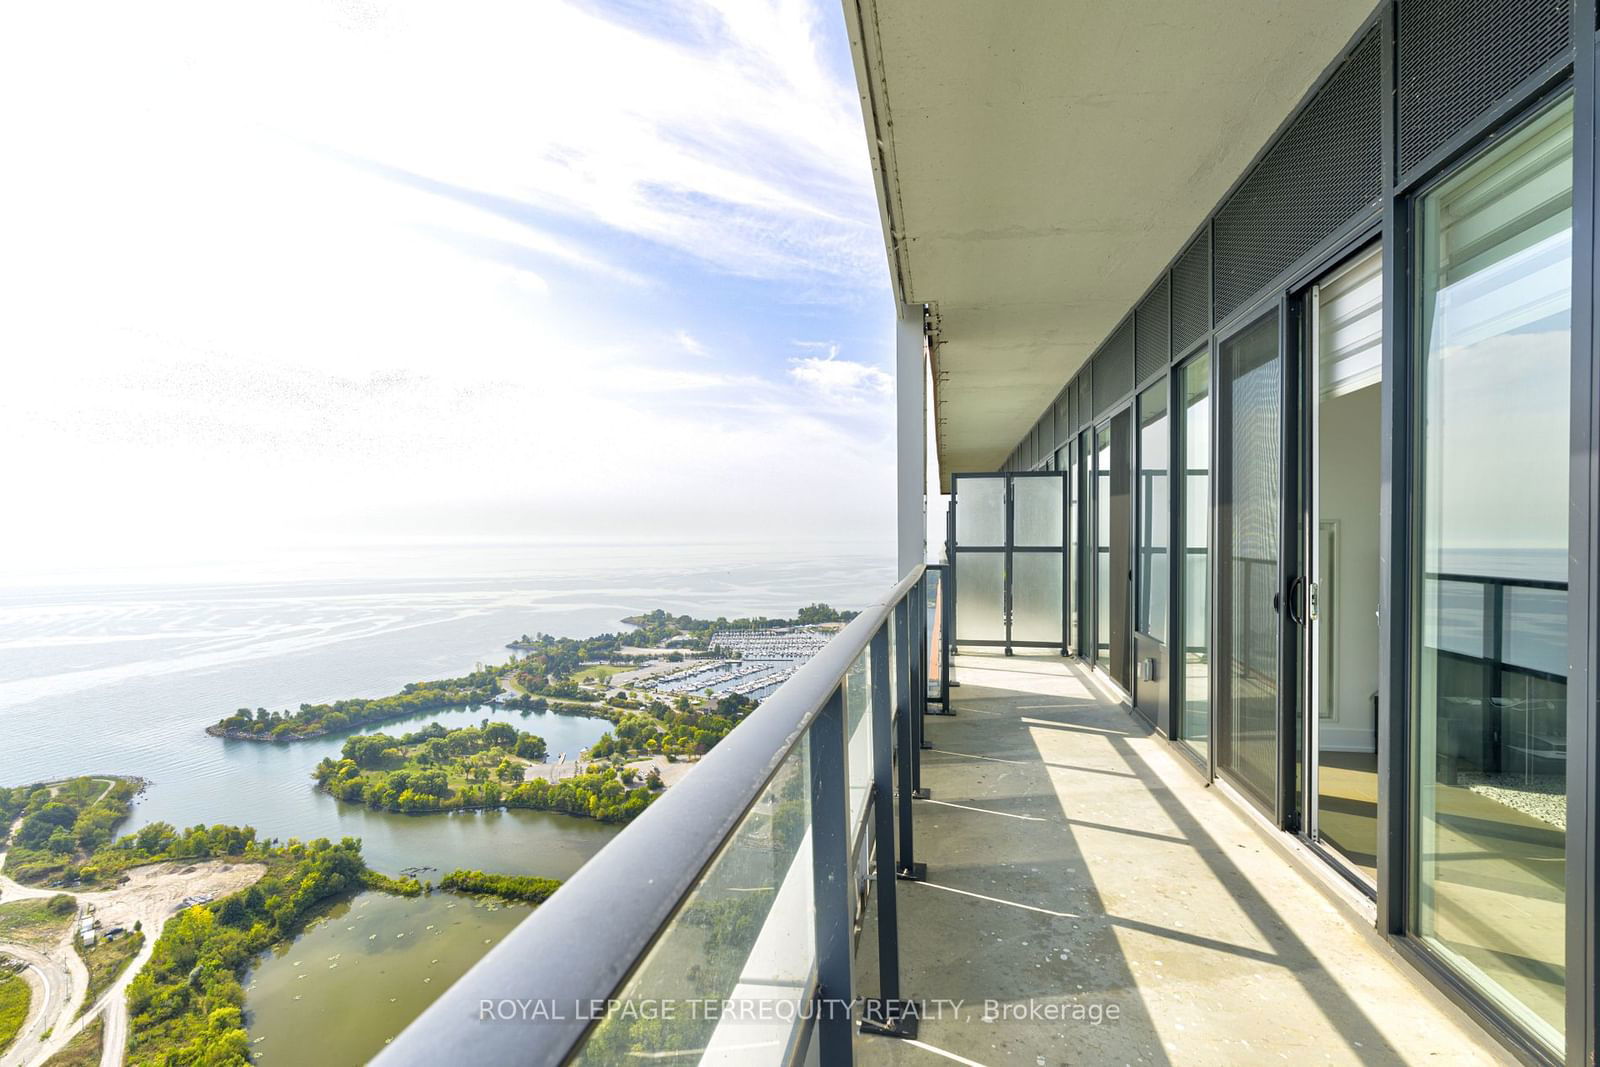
{"type": "Point", "coordinates": [911, 425]}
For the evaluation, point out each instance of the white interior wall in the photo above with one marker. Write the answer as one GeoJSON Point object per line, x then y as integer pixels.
{"type": "Point", "coordinates": [1349, 491]}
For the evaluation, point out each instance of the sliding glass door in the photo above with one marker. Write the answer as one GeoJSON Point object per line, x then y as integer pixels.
{"type": "Point", "coordinates": [1102, 546]}
{"type": "Point", "coordinates": [1152, 570]}
{"type": "Point", "coordinates": [1247, 560]}
{"type": "Point", "coordinates": [1343, 434]}
{"type": "Point", "coordinates": [1074, 467]}
{"type": "Point", "coordinates": [1493, 356]}
{"type": "Point", "coordinates": [1192, 639]}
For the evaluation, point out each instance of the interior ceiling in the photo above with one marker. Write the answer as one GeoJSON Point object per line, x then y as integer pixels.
{"type": "Point", "coordinates": [1040, 161]}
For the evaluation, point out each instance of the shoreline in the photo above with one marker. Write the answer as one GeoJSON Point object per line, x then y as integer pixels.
{"type": "Point", "coordinates": [554, 705]}
{"type": "Point", "coordinates": [320, 788]}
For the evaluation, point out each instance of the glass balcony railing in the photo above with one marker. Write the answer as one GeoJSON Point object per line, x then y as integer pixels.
{"type": "Point", "coordinates": [719, 926]}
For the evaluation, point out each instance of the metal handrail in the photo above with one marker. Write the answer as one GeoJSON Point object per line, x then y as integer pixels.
{"type": "Point", "coordinates": [1492, 579]}
{"type": "Point", "coordinates": [583, 944]}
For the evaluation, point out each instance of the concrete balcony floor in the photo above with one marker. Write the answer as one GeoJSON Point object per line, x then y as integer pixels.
{"type": "Point", "coordinates": [1076, 864]}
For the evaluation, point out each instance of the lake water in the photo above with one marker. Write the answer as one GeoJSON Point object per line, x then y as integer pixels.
{"type": "Point", "coordinates": [358, 975]}
{"type": "Point", "coordinates": [123, 678]}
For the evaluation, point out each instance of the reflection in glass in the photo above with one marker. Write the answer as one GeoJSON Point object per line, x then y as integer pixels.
{"type": "Point", "coordinates": [744, 933]}
{"type": "Point", "coordinates": [1075, 491]}
{"type": "Point", "coordinates": [858, 728]}
{"type": "Point", "coordinates": [1194, 558]}
{"type": "Point", "coordinates": [1247, 741]}
{"type": "Point", "coordinates": [1494, 338]}
{"type": "Point", "coordinates": [1154, 516]}
{"type": "Point", "coordinates": [894, 658]}
{"type": "Point", "coordinates": [1102, 545]}
{"type": "Point", "coordinates": [1347, 344]}
{"type": "Point", "coordinates": [934, 592]}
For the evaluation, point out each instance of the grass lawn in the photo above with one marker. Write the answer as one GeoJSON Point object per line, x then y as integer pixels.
{"type": "Point", "coordinates": [601, 672]}
{"type": "Point", "coordinates": [81, 1051]}
{"type": "Point", "coordinates": [106, 960]}
{"type": "Point", "coordinates": [586, 707]}
{"type": "Point", "coordinates": [458, 779]}
{"type": "Point", "coordinates": [14, 997]}
{"type": "Point", "coordinates": [38, 922]}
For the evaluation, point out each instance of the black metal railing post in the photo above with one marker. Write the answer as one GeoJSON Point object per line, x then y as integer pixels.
{"type": "Point", "coordinates": [833, 886]}
{"type": "Point", "coordinates": [905, 865]}
{"type": "Point", "coordinates": [888, 1014]}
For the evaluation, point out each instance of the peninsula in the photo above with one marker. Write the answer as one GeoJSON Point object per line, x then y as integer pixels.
{"type": "Point", "coordinates": [603, 676]}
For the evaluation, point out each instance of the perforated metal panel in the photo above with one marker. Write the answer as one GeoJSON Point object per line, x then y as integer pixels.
{"type": "Point", "coordinates": [1151, 319]}
{"type": "Point", "coordinates": [1191, 293]}
{"type": "Point", "coordinates": [1112, 375]}
{"type": "Point", "coordinates": [1063, 416]}
{"type": "Point", "coordinates": [1456, 59]}
{"type": "Point", "coordinates": [1325, 169]}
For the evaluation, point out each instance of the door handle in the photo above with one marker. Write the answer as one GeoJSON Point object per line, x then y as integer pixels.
{"type": "Point", "coordinates": [1298, 617]}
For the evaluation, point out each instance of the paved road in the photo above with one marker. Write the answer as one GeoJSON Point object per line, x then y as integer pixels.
{"type": "Point", "coordinates": [58, 977]}
{"type": "Point", "coordinates": [56, 991]}
{"type": "Point", "coordinates": [60, 981]}
{"type": "Point", "coordinates": [10, 890]}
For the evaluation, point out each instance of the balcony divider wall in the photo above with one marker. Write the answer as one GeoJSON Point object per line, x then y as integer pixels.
{"type": "Point", "coordinates": [1419, 96]}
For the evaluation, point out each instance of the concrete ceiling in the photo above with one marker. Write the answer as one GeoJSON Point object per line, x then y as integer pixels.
{"type": "Point", "coordinates": [1040, 161]}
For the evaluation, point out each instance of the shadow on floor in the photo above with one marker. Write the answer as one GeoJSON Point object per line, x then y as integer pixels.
{"type": "Point", "coordinates": [1089, 901]}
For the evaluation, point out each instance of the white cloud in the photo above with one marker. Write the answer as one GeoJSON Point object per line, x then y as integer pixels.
{"type": "Point", "coordinates": [298, 270]}
{"type": "Point", "coordinates": [689, 344]}
{"type": "Point", "coordinates": [841, 379]}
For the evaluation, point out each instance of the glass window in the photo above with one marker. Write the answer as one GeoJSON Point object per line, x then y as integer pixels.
{"type": "Point", "coordinates": [1341, 627]}
{"type": "Point", "coordinates": [1074, 491]}
{"type": "Point", "coordinates": [1494, 345]}
{"type": "Point", "coordinates": [1154, 517]}
{"type": "Point", "coordinates": [1194, 555]}
{"type": "Point", "coordinates": [1102, 544]}
{"type": "Point", "coordinates": [1247, 559]}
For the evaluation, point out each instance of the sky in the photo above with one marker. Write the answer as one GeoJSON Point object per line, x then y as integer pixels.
{"type": "Point", "coordinates": [294, 274]}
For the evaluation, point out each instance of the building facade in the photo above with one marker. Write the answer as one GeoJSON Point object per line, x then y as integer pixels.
{"type": "Point", "coordinates": [1330, 483]}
